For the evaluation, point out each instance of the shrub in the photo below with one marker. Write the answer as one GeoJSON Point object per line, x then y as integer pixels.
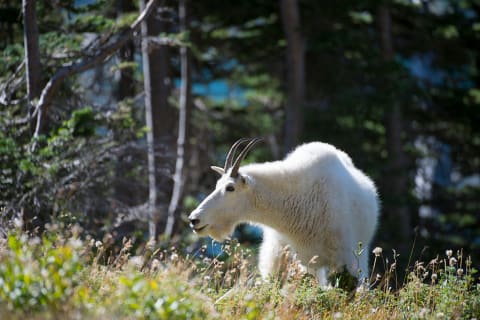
{"type": "Point", "coordinates": [38, 273]}
{"type": "Point", "coordinates": [62, 276]}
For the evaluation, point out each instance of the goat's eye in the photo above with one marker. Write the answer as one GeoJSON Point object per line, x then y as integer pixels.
{"type": "Point", "coordinates": [230, 188]}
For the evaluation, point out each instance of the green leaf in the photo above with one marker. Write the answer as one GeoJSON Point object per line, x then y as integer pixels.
{"type": "Point", "coordinates": [361, 17]}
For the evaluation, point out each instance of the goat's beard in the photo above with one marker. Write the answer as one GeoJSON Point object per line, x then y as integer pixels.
{"type": "Point", "coordinates": [221, 231]}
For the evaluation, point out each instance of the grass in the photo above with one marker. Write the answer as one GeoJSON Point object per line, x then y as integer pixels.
{"type": "Point", "coordinates": [61, 276]}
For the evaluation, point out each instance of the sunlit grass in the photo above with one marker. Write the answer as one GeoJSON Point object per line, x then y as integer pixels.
{"type": "Point", "coordinates": [63, 276]}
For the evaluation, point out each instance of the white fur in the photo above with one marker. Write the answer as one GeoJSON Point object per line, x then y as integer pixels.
{"type": "Point", "coordinates": [314, 200]}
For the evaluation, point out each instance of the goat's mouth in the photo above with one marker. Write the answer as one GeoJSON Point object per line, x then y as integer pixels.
{"type": "Point", "coordinates": [199, 229]}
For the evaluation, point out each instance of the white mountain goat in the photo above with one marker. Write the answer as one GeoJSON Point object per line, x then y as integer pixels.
{"type": "Point", "coordinates": [314, 200]}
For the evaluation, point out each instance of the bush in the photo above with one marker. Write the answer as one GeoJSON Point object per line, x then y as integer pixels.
{"type": "Point", "coordinates": [52, 276]}
{"type": "Point", "coordinates": [38, 273]}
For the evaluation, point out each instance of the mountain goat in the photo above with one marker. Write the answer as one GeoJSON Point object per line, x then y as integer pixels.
{"type": "Point", "coordinates": [315, 200]}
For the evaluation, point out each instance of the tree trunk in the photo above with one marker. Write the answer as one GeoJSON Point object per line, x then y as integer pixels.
{"type": "Point", "coordinates": [295, 73]}
{"type": "Point", "coordinates": [398, 216]}
{"type": "Point", "coordinates": [159, 118]}
{"type": "Point", "coordinates": [126, 87]}
{"type": "Point", "coordinates": [183, 119]}
{"type": "Point", "coordinates": [32, 55]}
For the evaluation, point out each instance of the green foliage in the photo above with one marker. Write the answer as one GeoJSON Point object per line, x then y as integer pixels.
{"type": "Point", "coordinates": [12, 158]}
{"type": "Point", "coordinates": [190, 203]}
{"type": "Point", "coordinates": [361, 17]}
{"type": "Point", "coordinates": [82, 123]}
{"type": "Point", "coordinates": [58, 274]}
{"type": "Point", "coordinates": [11, 57]}
{"type": "Point", "coordinates": [38, 274]}
{"type": "Point", "coordinates": [447, 32]}
{"type": "Point", "coordinates": [59, 43]}
{"type": "Point", "coordinates": [456, 287]}
{"type": "Point", "coordinates": [93, 23]}
{"type": "Point", "coordinates": [53, 182]}
{"type": "Point", "coordinates": [9, 156]}
{"type": "Point", "coordinates": [160, 298]}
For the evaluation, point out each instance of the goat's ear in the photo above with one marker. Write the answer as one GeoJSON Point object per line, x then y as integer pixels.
{"type": "Point", "coordinates": [218, 170]}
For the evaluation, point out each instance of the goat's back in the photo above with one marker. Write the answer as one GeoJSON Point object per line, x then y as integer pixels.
{"type": "Point", "coordinates": [316, 162]}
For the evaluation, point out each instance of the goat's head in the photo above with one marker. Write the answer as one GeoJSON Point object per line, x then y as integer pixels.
{"type": "Point", "coordinates": [218, 213]}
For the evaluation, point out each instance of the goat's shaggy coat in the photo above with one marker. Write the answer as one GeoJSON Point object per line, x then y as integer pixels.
{"type": "Point", "coordinates": [314, 200]}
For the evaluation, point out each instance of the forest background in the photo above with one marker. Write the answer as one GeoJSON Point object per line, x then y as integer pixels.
{"type": "Point", "coordinates": [113, 111]}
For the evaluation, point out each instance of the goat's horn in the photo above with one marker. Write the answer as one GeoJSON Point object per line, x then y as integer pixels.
{"type": "Point", "coordinates": [231, 153]}
{"type": "Point", "coordinates": [242, 155]}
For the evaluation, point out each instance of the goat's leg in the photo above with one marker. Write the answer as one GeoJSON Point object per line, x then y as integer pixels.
{"type": "Point", "coordinates": [357, 265]}
{"type": "Point", "coordinates": [271, 253]}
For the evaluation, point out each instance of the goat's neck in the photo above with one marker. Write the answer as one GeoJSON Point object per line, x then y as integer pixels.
{"type": "Point", "coordinates": [268, 199]}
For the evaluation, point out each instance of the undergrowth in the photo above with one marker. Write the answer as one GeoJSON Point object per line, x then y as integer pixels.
{"type": "Point", "coordinates": [64, 275]}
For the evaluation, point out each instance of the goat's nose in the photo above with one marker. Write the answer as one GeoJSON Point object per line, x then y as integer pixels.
{"type": "Point", "coordinates": [194, 221]}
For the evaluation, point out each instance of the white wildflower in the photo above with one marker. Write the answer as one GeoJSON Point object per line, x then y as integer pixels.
{"type": "Point", "coordinates": [377, 251]}
{"type": "Point", "coordinates": [174, 257]}
{"type": "Point", "coordinates": [452, 262]}
{"type": "Point", "coordinates": [423, 313]}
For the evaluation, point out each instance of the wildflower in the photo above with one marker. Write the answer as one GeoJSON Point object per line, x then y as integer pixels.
{"type": "Point", "coordinates": [108, 238]}
{"type": "Point", "coordinates": [423, 313]}
{"type": "Point", "coordinates": [75, 243]}
{"type": "Point", "coordinates": [449, 253]}
{"type": "Point", "coordinates": [155, 264]}
{"type": "Point", "coordinates": [98, 244]}
{"type": "Point", "coordinates": [440, 315]}
{"type": "Point", "coordinates": [452, 262]}
{"type": "Point", "coordinates": [468, 263]}
{"type": "Point", "coordinates": [150, 245]}
{"type": "Point", "coordinates": [419, 266]}
{"type": "Point", "coordinates": [337, 315]}
{"type": "Point", "coordinates": [17, 222]}
{"type": "Point", "coordinates": [459, 272]}
{"type": "Point", "coordinates": [76, 230]}
{"type": "Point", "coordinates": [393, 266]}
{"type": "Point", "coordinates": [44, 273]}
{"type": "Point", "coordinates": [127, 244]}
{"type": "Point", "coordinates": [159, 304]}
{"type": "Point", "coordinates": [174, 257]}
{"type": "Point", "coordinates": [34, 241]}
{"type": "Point", "coordinates": [377, 251]}
{"type": "Point", "coordinates": [136, 261]}
{"type": "Point", "coordinates": [249, 297]}
{"type": "Point", "coordinates": [434, 277]}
